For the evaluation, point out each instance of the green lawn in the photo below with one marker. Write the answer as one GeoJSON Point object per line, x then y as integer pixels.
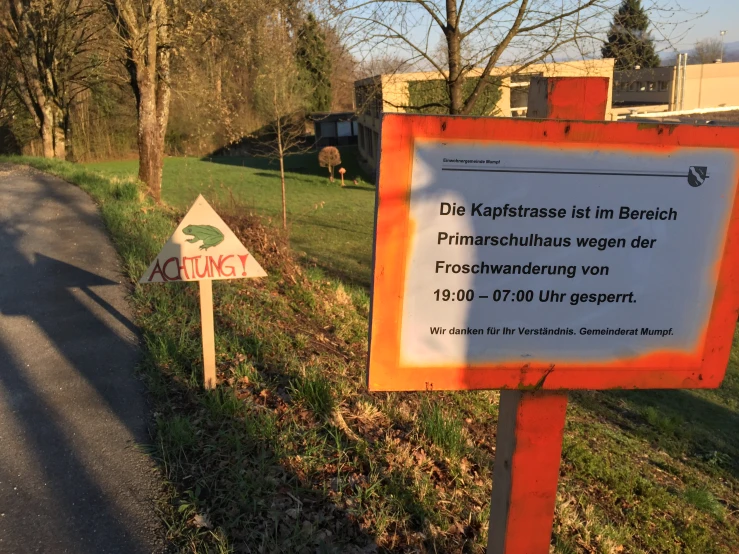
{"type": "Point", "coordinates": [329, 225]}
{"type": "Point", "coordinates": [293, 454]}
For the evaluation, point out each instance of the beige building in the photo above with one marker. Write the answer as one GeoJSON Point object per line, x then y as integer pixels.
{"type": "Point", "coordinates": [677, 88]}
{"type": "Point", "coordinates": [392, 93]}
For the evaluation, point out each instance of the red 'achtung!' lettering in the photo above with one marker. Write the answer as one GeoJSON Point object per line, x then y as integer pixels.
{"type": "Point", "coordinates": [162, 270]}
{"type": "Point", "coordinates": [220, 268]}
{"type": "Point", "coordinates": [243, 263]}
{"type": "Point", "coordinates": [197, 267]}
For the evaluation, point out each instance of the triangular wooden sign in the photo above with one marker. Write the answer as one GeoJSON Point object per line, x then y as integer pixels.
{"type": "Point", "coordinates": [202, 248]}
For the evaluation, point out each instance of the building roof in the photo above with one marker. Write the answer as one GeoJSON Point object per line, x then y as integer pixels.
{"type": "Point", "coordinates": [544, 67]}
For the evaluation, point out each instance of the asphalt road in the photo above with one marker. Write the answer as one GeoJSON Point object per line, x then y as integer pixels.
{"type": "Point", "coordinates": [73, 477]}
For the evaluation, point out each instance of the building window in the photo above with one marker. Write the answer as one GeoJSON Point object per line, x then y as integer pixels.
{"type": "Point", "coordinates": [651, 85]}
{"type": "Point", "coordinates": [523, 79]}
{"type": "Point", "coordinates": [360, 136]}
{"type": "Point", "coordinates": [328, 129]}
{"type": "Point", "coordinates": [368, 100]}
{"type": "Point", "coordinates": [632, 87]}
{"type": "Point", "coordinates": [640, 86]}
{"type": "Point", "coordinates": [520, 89]}
{"type": "Point", "coordinates": [519, 97]}
{"type": "Point", "coordinates": [343, 128]}
{"type": "Point", "coordinates": [360, 99]}
{"type": "Point", "coordinates": [377, 102]}
{"type": "Point", "coordinates": [663, 86]}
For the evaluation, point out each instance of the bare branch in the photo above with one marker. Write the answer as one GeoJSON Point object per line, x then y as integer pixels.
{"type": "Point", "coordinates": [400, 36]}
{"type": "Point", "coordinates": [494, 57]}
{"type": "Point", "coordinates": [487, 17]}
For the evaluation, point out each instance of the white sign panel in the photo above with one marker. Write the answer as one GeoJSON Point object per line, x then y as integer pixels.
{"type": "Point", "coordinates": [202, 248]}
{"type": "Point", "coordinates": [561, 253]}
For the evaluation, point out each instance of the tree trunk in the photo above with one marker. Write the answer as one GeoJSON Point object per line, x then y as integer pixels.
{"type": "Point", "coordinates": [219, 85]}
{"type": "Point", "coordinates": [282, 174]}
{"type": "Point", "coordinates": [164, 90]}
{"type": "Point", "coordinates": [284, 200]}
{"type": "Point", "coordinates": [456, 100]}
{"type": "Point", "coordinates": [151, 145]}
{"type": "Point", "coordinates": [68, 137]}
{"type": "Point", "coordinates": [60, 144]}
{"type": "Point", "coordinates": [47, 132]}
{"type": "Point", "coordinates": [60, 139]}
{"type": "Point", "coordinates": [217, 74]}
{"type": "Point", "coordinates": [454, 53]}
{"type": "Point", "coordinates": [149, 68]}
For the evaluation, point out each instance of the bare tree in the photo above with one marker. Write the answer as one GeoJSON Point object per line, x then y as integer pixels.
{"type": "Point", "coordinates": [280, 97]}
{"type": "Point", "coordinates": [478, 36]}
{"type": "Point", "coordinates": [708, 50]}
{"type": "Point", "coordinates": [214, 76]}
{"type": "Point", "coordinates": [388, 64]}
{"type": "Point", "coordinates": [50, 44]}
{"type": "Point", "coordinates": [144, 30]}
{"type": "Point", "coordinates": [343, 71]}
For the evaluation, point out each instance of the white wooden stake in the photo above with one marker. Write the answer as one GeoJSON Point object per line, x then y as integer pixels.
{"type": "Point", "coordinates": [209, 343]}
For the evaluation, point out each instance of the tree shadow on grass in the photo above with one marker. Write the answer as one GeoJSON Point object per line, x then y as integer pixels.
{"type": "Point", "coordinates": [303, 163]}
{"type": "Point", "coordinates": [683, 423]}
{"type": "Point", "coordinates": [352, 187]}
{"type": "Point", "coordinates": [290, 177]}
{"type": "Point", "coordinates": [359, 276]}
{"type": "Point", "coordinates": [223, 453]}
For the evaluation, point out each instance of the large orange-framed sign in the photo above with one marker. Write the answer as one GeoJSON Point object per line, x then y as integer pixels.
{"type": "Point", "coordinates": [553, 254]}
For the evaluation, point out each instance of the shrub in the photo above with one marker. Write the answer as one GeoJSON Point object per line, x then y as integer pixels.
{"type": "Point", "coordinates": [329, 157]}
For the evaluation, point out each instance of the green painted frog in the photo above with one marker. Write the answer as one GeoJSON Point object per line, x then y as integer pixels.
{"type": "Point", "coordinates": [207, 233]}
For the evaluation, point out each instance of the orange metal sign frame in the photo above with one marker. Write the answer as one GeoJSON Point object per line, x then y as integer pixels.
{"type": "Point", "coordinates": [703, 368]}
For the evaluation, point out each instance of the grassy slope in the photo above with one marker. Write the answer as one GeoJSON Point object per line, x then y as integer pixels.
{"type": "Point", "coordinates": [330, 225]}
{"type": "Point", "coordinates": [293, 455]}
